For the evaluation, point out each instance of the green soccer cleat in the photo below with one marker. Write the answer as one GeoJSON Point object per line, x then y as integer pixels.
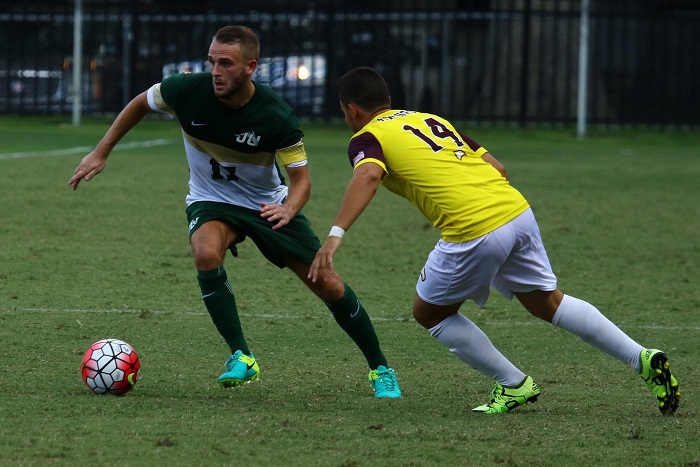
{"type": "Point", "coordinates": [505, 399]}
{"type": "Point", "coordinates": [657, 376]}
{"type": "Point", "coordinates": [240, 369]}
{"type": "Point", "coordinates": [384, 383]}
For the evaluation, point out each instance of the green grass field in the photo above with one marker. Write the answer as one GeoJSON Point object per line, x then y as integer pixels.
{"type": "Point", "coordinates": [619, 214]}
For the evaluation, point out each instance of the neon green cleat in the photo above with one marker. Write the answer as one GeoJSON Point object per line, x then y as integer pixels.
{"type": "Point", "coordinates": [505, 399]}
{"type": "Point", "coordinates": [384, 382]}
{"type": "Point", "coordinates": [240, 369]}
{"type": "Point", "coordinates": [656, 373]}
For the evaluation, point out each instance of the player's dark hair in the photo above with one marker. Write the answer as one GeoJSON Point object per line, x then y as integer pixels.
{"type": "Point", "coordinates": [243, 36]}
{"type": "Point", "coordinates": [364, 87]}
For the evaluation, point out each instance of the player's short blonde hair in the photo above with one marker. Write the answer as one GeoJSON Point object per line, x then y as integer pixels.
{"type": "Point", "coordinates": [246, 39]}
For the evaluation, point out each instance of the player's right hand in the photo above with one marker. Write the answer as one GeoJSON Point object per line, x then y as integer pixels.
{"type": "Point", "coordinates": [91, 165]}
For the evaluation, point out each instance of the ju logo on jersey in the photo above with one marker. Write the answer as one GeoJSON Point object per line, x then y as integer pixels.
{"type": "Point", "coordinates": [248, 138]}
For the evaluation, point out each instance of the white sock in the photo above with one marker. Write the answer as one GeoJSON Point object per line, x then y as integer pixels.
{"type": "Point", "coordinates": [584, 320]}
{"type": "Point", "coordinates": [474, 348]}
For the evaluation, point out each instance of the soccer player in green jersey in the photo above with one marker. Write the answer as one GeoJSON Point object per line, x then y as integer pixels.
{"type": "Point", "coordinates": [235, 130]}
{"type": "Point", "coordinates": [489, 238]}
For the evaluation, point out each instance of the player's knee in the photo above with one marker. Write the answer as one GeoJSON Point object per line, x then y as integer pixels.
{"type": "Point", "coordinates": [420, 318]}
{"type": "Point", "coordinates": [206, 257]}
{"type": "Point", "coordinates": [330, 289]}
{"type": "Point", "coordinates": [540, 303]}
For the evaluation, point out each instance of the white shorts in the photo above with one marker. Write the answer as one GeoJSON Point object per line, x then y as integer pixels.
{"type": "Point", "coordinates": [510, 259]}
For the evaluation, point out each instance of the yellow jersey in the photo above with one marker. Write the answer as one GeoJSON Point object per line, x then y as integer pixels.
{"type": "Point", "coordinates": [438, 169]}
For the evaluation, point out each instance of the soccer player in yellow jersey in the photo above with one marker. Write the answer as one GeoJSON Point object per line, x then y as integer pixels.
{"type": "Point", "coordinates": [489, 238]}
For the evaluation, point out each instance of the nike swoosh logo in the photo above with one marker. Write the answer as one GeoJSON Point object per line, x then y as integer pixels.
{"type": "Point", "coordinates": [352, 315]}
{"type": "Point", "coordinates": [250, 365]}
{"type": "Point", "coordinates": [208, 295]}
{"type": "Point", "coordinates": [193, 123]}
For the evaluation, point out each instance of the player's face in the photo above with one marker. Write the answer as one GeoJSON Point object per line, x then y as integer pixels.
{"type": "Point", "coordinates": [230, 71]}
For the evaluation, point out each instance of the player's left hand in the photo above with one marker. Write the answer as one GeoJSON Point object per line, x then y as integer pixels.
{"type": "Point", "coordinates": [278, 214]}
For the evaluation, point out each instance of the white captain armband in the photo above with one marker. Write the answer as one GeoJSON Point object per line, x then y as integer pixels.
{"type": "Point", "coordinates": [297, 164]}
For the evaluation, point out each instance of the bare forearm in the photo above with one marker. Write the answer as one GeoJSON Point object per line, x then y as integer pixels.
{"type": "Point", "coordinates": [299, 191]}
{"type": "Point", "coordinates": [298, 196]}
{"type": "Point", "coordinates": [127, 119]}
{"type": "Point", "coordinates": [93, 163]}
{"type": "Point", "coordinates": [358, 195]}
{"type": "Point", "coordinates": [360, 191]}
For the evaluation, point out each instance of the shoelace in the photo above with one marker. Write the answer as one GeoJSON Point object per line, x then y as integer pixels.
{"type": "Point", "coordinates": [496, 391]}
{"type": "Point", "coordinates": [388, 379]}
{"type": "Point", "coordinates": [230, 363]}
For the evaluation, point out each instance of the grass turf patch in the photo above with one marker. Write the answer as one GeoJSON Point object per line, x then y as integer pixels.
{"type": "Point", "coordinates": [619, 215]}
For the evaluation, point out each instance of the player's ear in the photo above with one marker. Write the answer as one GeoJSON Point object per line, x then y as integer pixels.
{"type": "Point", "coordinates": [354, 110]}
{"type": "Point", "coordinates": [252, 66]}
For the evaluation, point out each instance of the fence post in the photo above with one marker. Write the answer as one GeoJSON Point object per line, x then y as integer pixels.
{"type": "Point", "coordinates": [77, 60]}
{"type": "Point", "coordinates": [583, 70]}
{"type": "Point", "coordinates": [127, 41]}
{"type": "Point", "coordinates": [524, 80]}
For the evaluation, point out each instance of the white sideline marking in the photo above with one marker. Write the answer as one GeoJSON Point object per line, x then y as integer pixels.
{"type": "Point", "coordinates": [189, 313]}
{"type": "Point", "coordinates": [287, 316]}
{"type": "Point", "coordinates": [84, 149]}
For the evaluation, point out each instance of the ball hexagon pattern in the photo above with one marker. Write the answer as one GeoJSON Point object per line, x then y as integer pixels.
{"type": "Point", "coordinates": [110, 366]}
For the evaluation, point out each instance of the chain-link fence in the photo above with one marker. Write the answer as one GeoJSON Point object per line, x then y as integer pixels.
{"type": "Point", "coordinates": [502, 61]}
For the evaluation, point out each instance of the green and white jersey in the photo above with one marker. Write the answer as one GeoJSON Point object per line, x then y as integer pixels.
{"type": "Point", "coordinates": [231, 152]}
